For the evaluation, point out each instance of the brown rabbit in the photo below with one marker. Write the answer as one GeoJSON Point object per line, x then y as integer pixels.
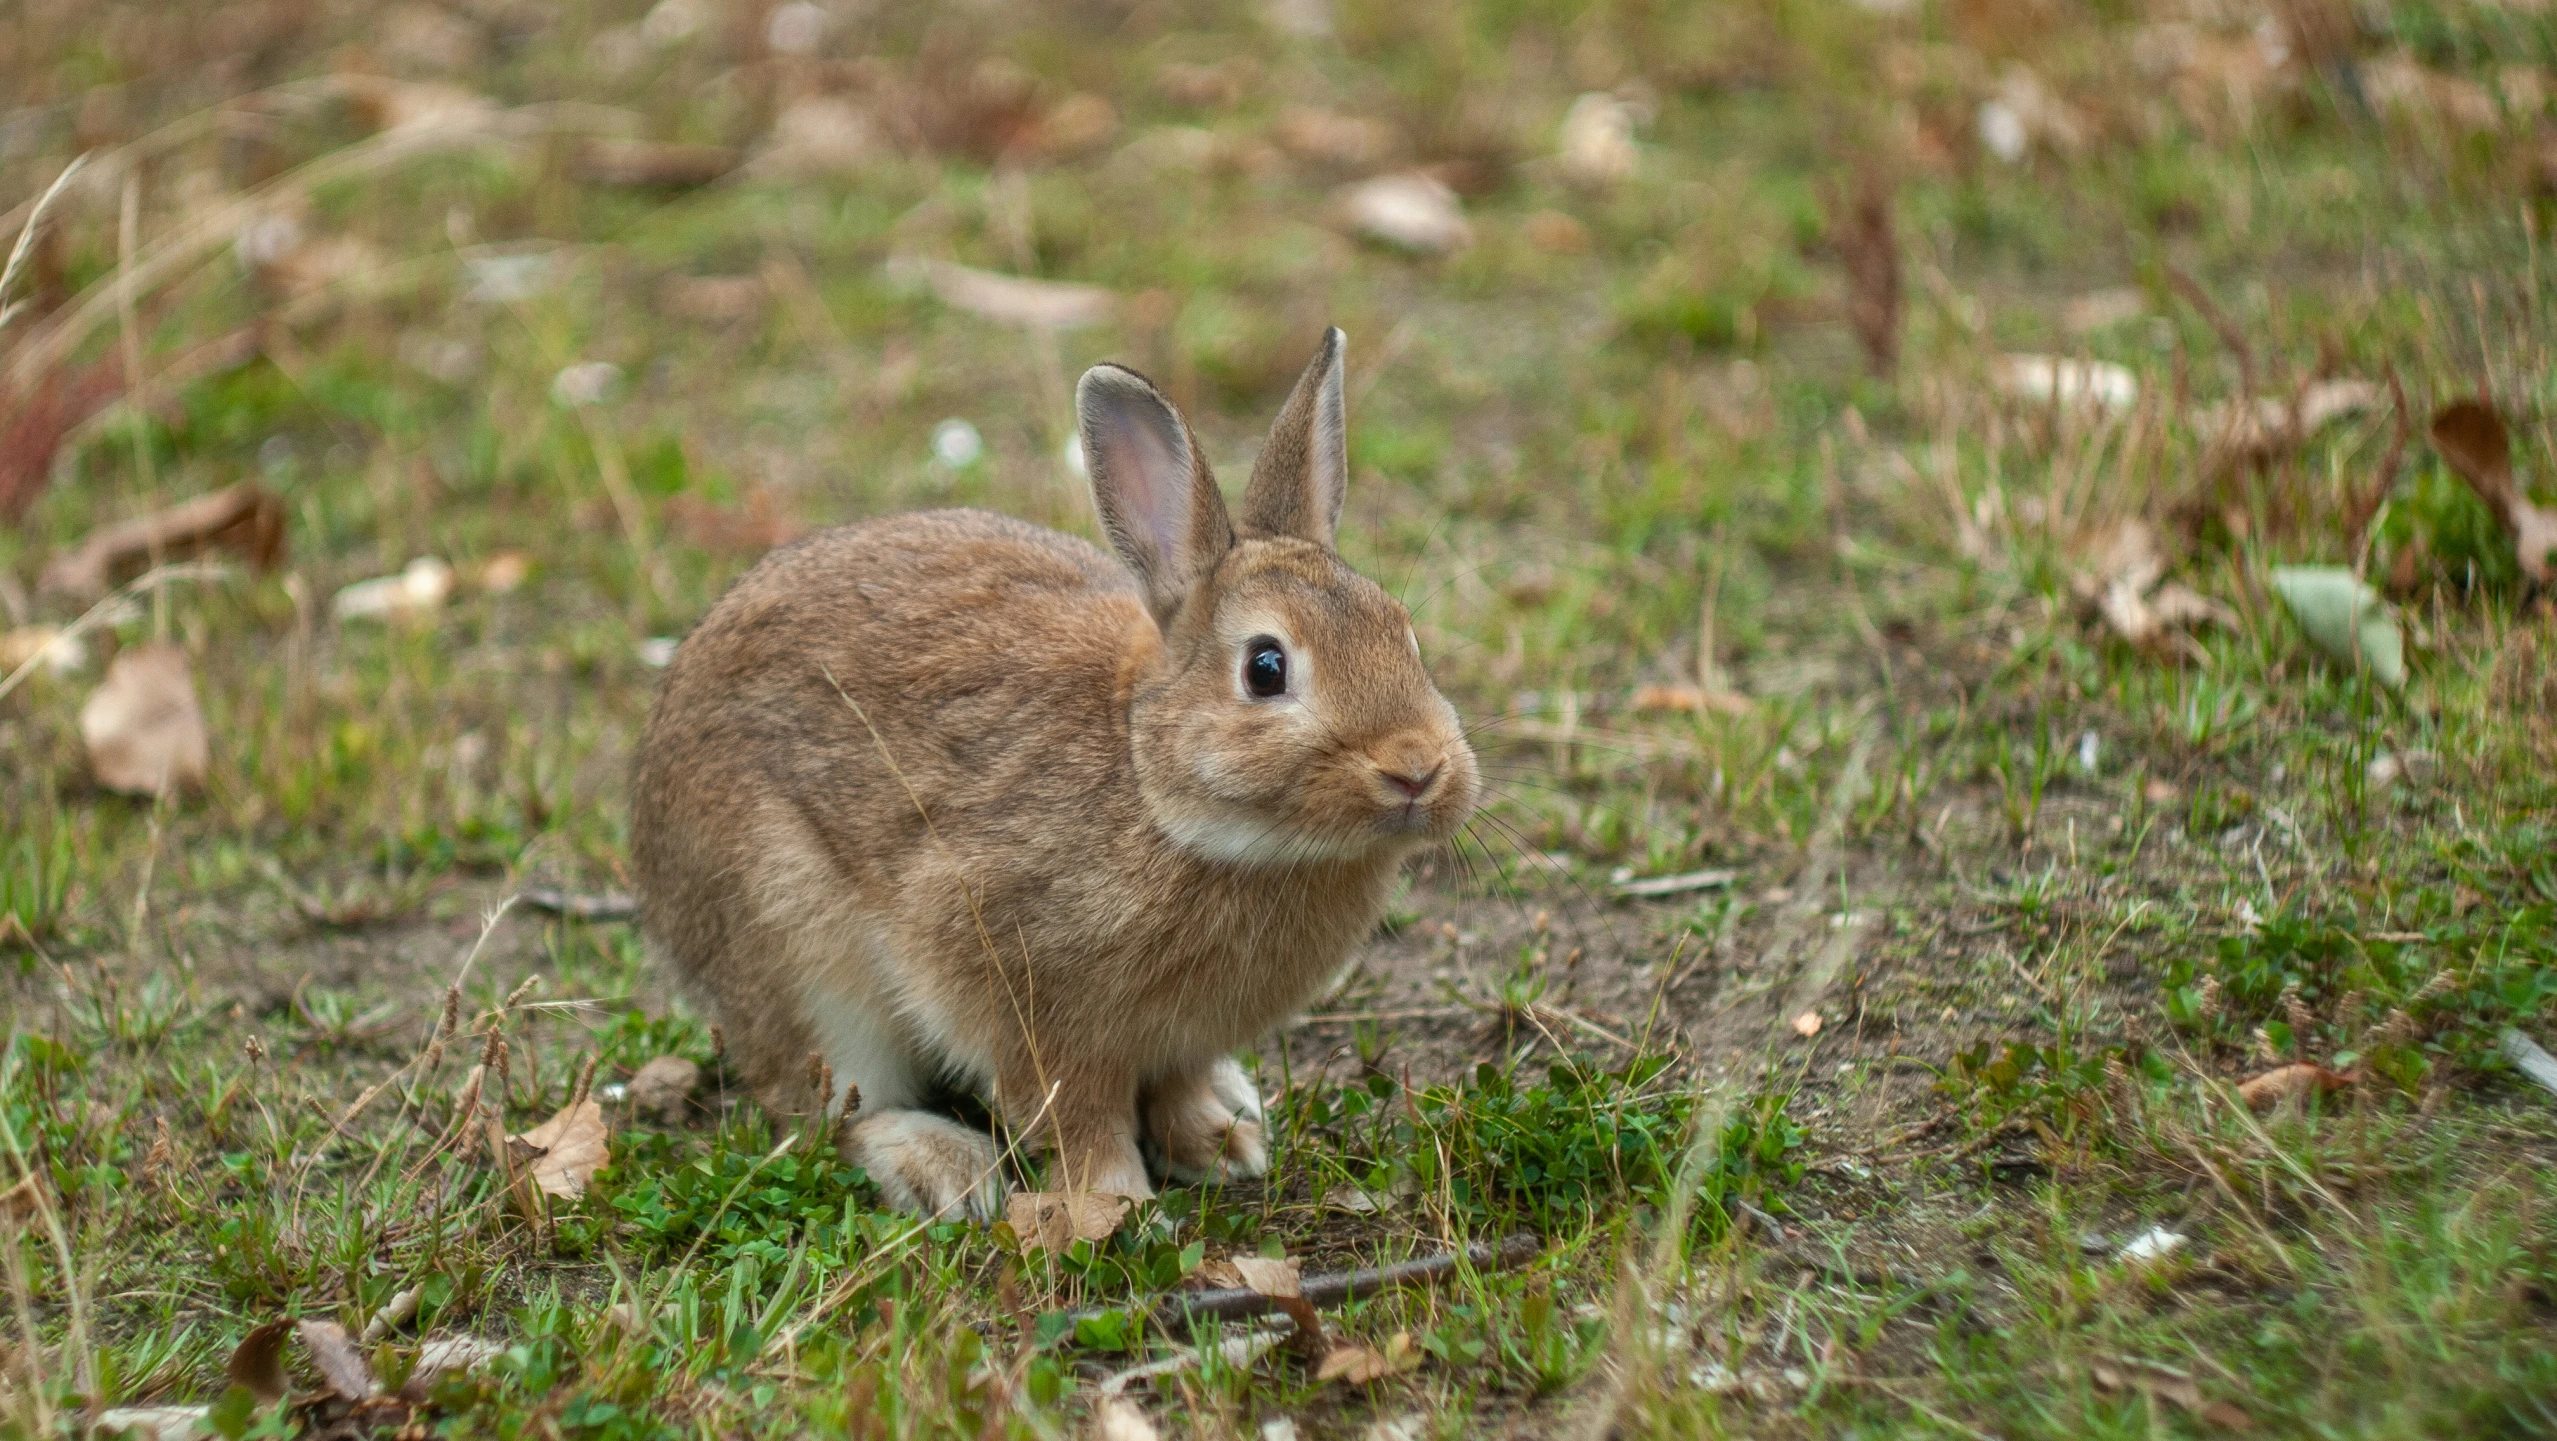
{"type": "Point", "coordinates": [960, 804]}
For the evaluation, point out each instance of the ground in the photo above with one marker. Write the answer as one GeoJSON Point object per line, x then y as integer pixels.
{"type": "Point", "coordinates": [2024, 820]}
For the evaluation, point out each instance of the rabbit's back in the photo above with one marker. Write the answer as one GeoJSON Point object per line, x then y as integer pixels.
{"type": "Point", "coordinates": [864, 701]}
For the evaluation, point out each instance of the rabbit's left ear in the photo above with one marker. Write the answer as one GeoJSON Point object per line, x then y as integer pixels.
{"type": "Point", "coordinates": [1304, 466]}
{"type": "Point", "coordinates": [1158, 501]}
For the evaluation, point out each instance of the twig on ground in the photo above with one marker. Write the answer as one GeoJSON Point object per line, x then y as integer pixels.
{"type": "Point", "coordinates": [1185, 1311]}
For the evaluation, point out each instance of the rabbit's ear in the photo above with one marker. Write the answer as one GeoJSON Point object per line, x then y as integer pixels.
{"type": "Point", "coordinates": [1158, 501]}
{"type": "Point", "coordinates": [1305, 465]}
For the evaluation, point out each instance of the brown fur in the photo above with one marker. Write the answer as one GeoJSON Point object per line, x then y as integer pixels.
{"type": "Point", "coordinates": [968, 792]}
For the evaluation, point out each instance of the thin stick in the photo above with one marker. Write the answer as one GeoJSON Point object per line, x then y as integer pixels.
{"type": "Point", "coordinates": [1186, 1311]}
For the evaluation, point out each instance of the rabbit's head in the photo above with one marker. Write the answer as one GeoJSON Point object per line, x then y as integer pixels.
{"type": "Point", "coordinates": [1288, 717]}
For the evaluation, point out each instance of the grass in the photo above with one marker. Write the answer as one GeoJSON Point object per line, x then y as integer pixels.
{"type": "Point", "coordinates": [1851, 1146]}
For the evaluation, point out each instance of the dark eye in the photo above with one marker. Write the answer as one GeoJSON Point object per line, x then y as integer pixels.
{"type": "Point", "coordinates": [1264, 667]}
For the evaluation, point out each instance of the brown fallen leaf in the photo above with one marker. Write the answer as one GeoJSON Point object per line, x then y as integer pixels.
{"type": "Point", "coordinates": [663, 1086]}
{"type": "Point", "coordinates": [1254, 1273]}
{"type": "Point", "coordinates": [1080, 122]}
{"type": "Point", "coordinates": [2120, 581]}
{"type": "Point", "coordinates": [569, 1149]}
{"type": "Point", "coordinates": [2471, 436]}
{"type": "Point", "coordinates": [241, 518]}
{"type": "Point", "coordinates": [144, 731]}
{"type": "Point", "coordinates": [338, 1362]}
{"type": "Point", "coordinates": [2168, 1384]}
{"type": "Point", "coordinates": [1596, 144]}
{"type": "Point", "coordinates": [1327, 137]}
{"type": "Point", "coordinates": [1014, 299]}
{"type": "Point", "coordinates": [1410, 212]}
{"type": "Point", "coordinates": [650, 164]}
{"type": "Point", "coordinates": [1055, 1220]}
{"type": "Point", "coordinates": [2289, 1083]}
{"type": "Point", "coordinates": [2273, 424]}
{"type": "Point", "coordinates": [36, 419]}
{"type": "Point", "coordinates": [1358, 1364]}
{"type": "Point", "coordinates": [1692, 699]}
{"type": "Point", "coordinates": [21, 1203]}
{"type": "Point", "coordinates": [258, 1361]}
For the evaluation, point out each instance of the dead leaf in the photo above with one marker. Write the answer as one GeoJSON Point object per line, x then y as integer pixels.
{"type": "Point", "coordinates": [1688, 698]}
{"type": "Point", "coordinates": [21, 1203]}
{"type": "Point", "coordinates": [1055, 1220]}
{"type": "Point", "coordinates": [1015, 299]}
{"type": "Point", "coordinates": [143, 728]}
{"type": "Point", "coordinates": [1119, 1419]}
{"type": "Point", "coordinates": [1596, 145]}
{"type": "Point", "coordinates": [1254, 1273]}
{"type": "Point", "coordinates": [241, 518]}
{"type": "Point", "coordinates": [1080, 122]}
{"type": "Point", "coordinates": [258, 1361]}
{"type": "Point", "coordinates": [1807, 1024]}
{"type": "Point", "coordinates": [2471, 436]}
{"type": "Point", "coordinates": [652, 164]}
{"type": "Point", "coordinates": [418, 590]}
{"type": "Point", "coordinates": [395, 1313]}
{"type": "Point", "coordinates": [388, 104]}
{"type": "Point", "coordinates": [2273, 425]}
{"type": "Point", "coordinates": [1410, 212]}
{"type": "Point", "coordinates": [1325, 137]}
{"type": "Point", "coordinates": [1359, 1364]}
{"type": "Point", "coordinates": [2167, 1384]}
{"type": "Point", "coordinates": [2344, 618]}
{"type": "Point", "coordinates": [451, 1353]}
{"type": "Point", "coordinates": [663, 1086]}
{"type": "Point", "coordinates": [2289, 1083]}
{"type": "Point", "coordinates": [156, 1423]}
{"type": "Point", "coordinates": [339, 1363]}
{"type": "Point", "coordinates": [573, 1146]}
{"type": "Point", "coordinates": [38, 417]}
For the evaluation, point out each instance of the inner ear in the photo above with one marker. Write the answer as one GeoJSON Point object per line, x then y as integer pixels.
{"type": "Point", "coordinates": [1157, 499]}
{"type": "Point", "coordinates": [1303, 470]}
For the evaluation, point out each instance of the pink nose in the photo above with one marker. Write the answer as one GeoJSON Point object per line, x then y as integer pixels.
{"type": "Point", "coordinates": [1412, 786]}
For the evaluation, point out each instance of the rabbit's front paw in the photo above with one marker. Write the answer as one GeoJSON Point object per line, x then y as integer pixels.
{"type": "Point", "coordinates": [1209, 1128]}
{"type": "Point", "coordinates": [927, 1164]}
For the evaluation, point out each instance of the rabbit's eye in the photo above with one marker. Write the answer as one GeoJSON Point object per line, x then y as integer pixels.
{"type": "Point", "coordinates": [1264, 667]}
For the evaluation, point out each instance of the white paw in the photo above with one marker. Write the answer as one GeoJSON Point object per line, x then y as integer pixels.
{"type": "Point", "coordinates": [929, 1165]}
{"type": "Point", "coordinates": [1215, 1133]}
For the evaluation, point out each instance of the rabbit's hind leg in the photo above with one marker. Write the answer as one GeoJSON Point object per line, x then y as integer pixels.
{"type": "Point", "coordinates": [1206, 1126]}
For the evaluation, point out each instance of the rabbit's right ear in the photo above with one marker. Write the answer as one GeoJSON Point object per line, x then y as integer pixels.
{"type": "Point", "coordinates": [1157, 499]}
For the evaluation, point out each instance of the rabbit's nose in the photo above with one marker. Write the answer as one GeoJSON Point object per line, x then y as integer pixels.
{"type": "Point", "coordinates": [1413, 787]}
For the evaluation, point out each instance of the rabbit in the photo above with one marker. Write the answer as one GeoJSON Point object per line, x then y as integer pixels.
{"type": "Point", "coordinates": [945, 803]}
